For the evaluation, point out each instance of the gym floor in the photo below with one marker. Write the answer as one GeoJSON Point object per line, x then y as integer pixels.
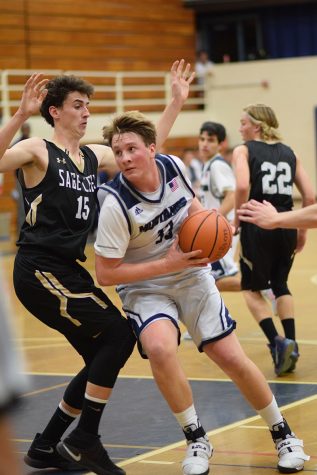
{"type": "Point", "coordinates": [137, 428]}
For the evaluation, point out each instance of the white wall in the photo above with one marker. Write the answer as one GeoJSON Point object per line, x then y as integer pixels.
{"type": "Point", "coordinates": [291, 93]}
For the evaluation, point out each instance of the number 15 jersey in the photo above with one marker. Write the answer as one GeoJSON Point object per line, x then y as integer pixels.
{"type": "Point", "coordinates": [60, 210]}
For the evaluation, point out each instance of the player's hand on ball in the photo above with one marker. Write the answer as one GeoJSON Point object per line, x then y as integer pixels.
{"type": "Point", "coordinates": [177, 260]}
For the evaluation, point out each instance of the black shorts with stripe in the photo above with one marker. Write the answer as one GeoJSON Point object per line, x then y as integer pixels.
{"type": "Point", "coordinates": [62, 294]}
{"type": "Point", "coordinates": [266, 256]}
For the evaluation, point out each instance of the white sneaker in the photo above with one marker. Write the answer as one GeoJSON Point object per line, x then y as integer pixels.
{"type": "Point", "coordinates": [197, 457]}
{"type": "Point", "coordinates": [291, 456]}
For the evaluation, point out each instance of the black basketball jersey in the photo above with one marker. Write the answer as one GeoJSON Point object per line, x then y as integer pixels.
{"type": "Point", "coordinates": [272, 173]}
{"type": "Point", "coordinates": [60, 210]}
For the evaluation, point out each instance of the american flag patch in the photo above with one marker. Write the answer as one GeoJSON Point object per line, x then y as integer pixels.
{"type": "Point", "coordinates": [173, 184]}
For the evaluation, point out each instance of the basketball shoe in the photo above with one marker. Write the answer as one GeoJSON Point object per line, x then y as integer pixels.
{"type": "Point", "coordinates": [281, 353]}
{"type": "Point", "coordinates": [294, 357]}
{"type": "Point", "coordinates": [291, 456]}
{"type": "Point", "coordinates": [43, 454]}
{"type": "Point", "coordinates": [199, 451]}
{"type": "Point", "coordinates": [88, 451]}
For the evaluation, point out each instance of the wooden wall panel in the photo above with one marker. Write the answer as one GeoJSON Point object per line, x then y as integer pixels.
{"type": "Point", "coordinates": [99, 35]}
{"type": "Point", "coordinates": [13, 51]}
{"type": "Point", "coordinates": [104, 35]}
{"type": "Point", "coordinates": [176, 145]}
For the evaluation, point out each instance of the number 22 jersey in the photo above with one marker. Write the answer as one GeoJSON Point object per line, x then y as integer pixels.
{"type": "Point", "coordinates": [272, 173]}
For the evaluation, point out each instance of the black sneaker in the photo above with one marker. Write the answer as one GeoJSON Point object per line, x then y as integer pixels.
{"type": "Point", "coordinates": [43, 454]}
{"type": "Point", "coordinates": [294, 357]}
{"type": "Point", "coordinates": [87, 450]}
{"type": "Point", "coordinates": [281, 353]}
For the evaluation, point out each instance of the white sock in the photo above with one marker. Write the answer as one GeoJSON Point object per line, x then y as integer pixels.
{"type": "Point", "coordinates": [271, 414]}
{"type": "Point", "coordinates": [187, 417]}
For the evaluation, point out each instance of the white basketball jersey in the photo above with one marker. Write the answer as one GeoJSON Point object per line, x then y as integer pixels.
{"type": "Point", "coordinates": [151, 222]}
{"type": "Point", "coordinates": [217, 177]}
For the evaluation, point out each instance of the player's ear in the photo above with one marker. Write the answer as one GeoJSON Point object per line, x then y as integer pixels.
{"type": "Point", "coordinates": [53, 110]}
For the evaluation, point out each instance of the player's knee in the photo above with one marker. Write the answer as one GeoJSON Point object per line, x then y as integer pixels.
{"type": "Point", "coordinates": [159, 351]}
{"type": "Point", "coordinates": [126, 347]}
{"type": "Point", "coordinates": [105, 368]}
{"type": "Point", "coordinates": [126, 338]}
{"type": "Point", "coordinates": [280, 289]}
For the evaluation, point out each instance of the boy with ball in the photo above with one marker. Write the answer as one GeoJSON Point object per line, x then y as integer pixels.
{"type": "Point", "coordinates": [137, 249]}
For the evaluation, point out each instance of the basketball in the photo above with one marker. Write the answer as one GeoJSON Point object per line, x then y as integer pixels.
{"type": "Point", "coordinates": [208, 231]}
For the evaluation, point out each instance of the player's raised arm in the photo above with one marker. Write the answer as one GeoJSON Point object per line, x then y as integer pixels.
{"type": "Point", "coordinates": [32, 97]}
{"type": "Point", "coordinates": [181, 78]}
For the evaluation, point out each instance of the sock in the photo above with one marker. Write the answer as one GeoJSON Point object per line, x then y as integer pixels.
{"type": "Point", "coordinates": [271, 414]}
{"type": "Point", "coordinates": [91, 414]}
{"type": "Point", "coordinates": [58, 424]}
{"type": "Point", "coordinates": [269, 329]}
{"type": "Point", "coordinates": [188, 418]}
{"type": "Point", "coordinates": [189, 422]}
{"type": "Point", "coordinates": [289, 327]}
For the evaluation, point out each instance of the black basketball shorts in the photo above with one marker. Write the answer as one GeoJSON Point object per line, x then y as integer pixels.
{"type": "Point", "coordinates": [266, 256]}
{"type": "Point", "coordinates": [63, 296]}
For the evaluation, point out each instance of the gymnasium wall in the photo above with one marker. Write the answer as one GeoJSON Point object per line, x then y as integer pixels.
{"type": "Point", "coordinates": [95, 35]}
{"type": "Point", "coordinates": [91, 35]}
{"type": "Point", "coordinates": [291, 92]}
{"type": "Point", "coordinates": [68, 34]}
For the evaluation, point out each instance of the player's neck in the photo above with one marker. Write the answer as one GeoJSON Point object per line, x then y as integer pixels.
{"type": "Point", "coordinates": [64, 141]}
{"type": "Point", "coordinates": [71, 148]}
{"type": "Point", "coordinates": [148, 182]}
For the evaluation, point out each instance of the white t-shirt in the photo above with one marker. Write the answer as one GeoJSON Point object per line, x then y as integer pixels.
{"type": "Point", "coordinates": [217, 178]}
{"type": "Point", "coordinates": [202, 70]}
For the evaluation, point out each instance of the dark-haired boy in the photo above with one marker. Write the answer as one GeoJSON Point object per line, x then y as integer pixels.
{"type": "Point", "coordinates": [217, 187]}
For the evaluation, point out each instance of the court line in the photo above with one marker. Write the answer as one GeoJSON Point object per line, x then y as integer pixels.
{"type": "Point", "coordinates": [40, 347]}
{"type": "Point", "coordinates": [41, 339]}
{"type": "Point", "coordinates": [157, 462]}
{"type": "Point", "coordinates": [135, 376]}
{"type": "Point", "coordinates": [241, 338]}
{"type": "Point", "coordinates": [43, 390]}
{"type": "Point", "coordinates": [234, 425]}
{"type": "Point", "coordinates": [262, 340]}
{"type": "Point", "coordinates": [113, 446]}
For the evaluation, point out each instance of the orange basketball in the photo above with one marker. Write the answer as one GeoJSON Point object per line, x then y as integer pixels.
{"type": "Point", "coordinates": [208, 231]}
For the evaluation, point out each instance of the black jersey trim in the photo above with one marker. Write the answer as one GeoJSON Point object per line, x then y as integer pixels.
{"type": "Point", "coordinates": [178, 170]}
{"type": "Point", "coordinates": [138, 194]}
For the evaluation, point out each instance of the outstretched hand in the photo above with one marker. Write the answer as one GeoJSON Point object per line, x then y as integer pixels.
{"type": "Point", "coordinates": [262, 214]}
{"type": "Point", "coordinates": [181, 78]}
{"type": "Point", "coordinates": [33, 95]}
